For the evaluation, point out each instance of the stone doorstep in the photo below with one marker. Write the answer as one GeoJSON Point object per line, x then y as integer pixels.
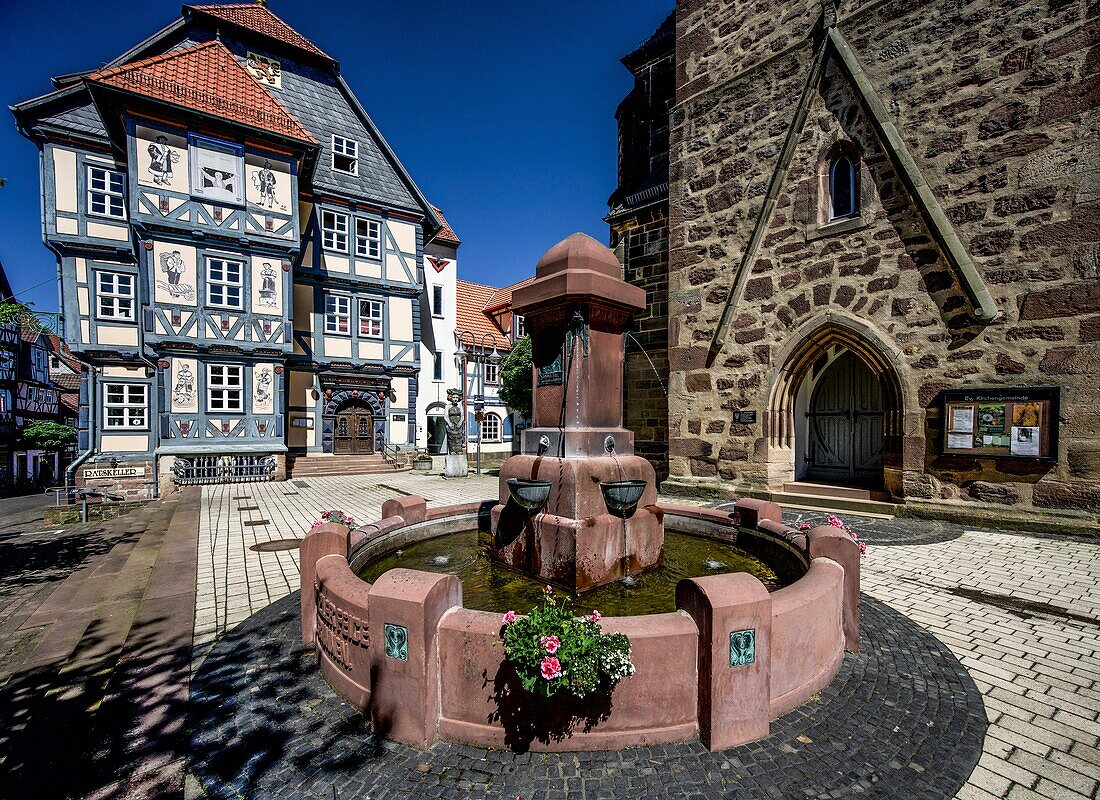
{"type": "Point", "coordinates": [817, 502]}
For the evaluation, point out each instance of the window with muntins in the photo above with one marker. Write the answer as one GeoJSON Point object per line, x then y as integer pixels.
{"type": "Point", "coordinates": [224, 283]}
{"type": "Point", "coordinates": [115, 294]}
{"type": "Point", "coordinates": [437, 301]}
{"type": "Point", "coordinates": [125, 406]}
{"type": "Point", "coordinates": [345, 155]}
{"type": "Point", "coordinates": [368, 238]}
{"type": "Point", "coordinates": [217, 170]}
{"type": "Point", "coordinates": [338, 314]}
{"type": "Point", "coordinates": [489, 429]}
{"type": "Point", "coordinates": [106, 193]}
{"type": "Point", "coordinates": [370, 318]}
{"type": "Point", "coordinates": [843, 181]}
{"type": "Point", "coordinates": [334, 231]}
{"type": "Point", "coordinates": [225, 388]}
{"type": "Point", "coordinates": [521, 329]}
{"type": "Point", "coordinates": [492, 373]}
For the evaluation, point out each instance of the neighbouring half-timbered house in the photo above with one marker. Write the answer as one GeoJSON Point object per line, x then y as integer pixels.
{"type": "Point", "coordinates": [240, 253]}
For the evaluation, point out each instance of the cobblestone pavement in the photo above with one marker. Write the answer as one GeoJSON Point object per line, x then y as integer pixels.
{"type": "Point", "coordinates": [235, 581]}
{"type": "Point", "coordinates": [901, 720]}
{"type": "Point", "coordinates": [1021, 614]}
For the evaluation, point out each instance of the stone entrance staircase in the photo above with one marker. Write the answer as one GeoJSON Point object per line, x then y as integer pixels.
{"type": "Point", "coordinates": [322, 465]}
{"type": "Point", "coordinates": [97, 706]}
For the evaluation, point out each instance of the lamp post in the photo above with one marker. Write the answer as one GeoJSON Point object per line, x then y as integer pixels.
{"type": "Point", "coordinates": [477, 353]}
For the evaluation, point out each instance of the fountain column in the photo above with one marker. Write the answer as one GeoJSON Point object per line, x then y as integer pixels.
{"type": "Point", "coordinates": [575, 311]}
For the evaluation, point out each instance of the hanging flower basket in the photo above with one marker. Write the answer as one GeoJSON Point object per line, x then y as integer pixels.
{"type": "Point", "coordinates": [553, 651]}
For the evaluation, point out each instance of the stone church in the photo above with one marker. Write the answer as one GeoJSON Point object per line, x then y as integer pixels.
{"type": "Point", "coordinates": [869, 234]}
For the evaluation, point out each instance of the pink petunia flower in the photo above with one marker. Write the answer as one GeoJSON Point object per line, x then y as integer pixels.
{"type": "Point", "coordinates": [836, 521]}
{"type": "Point", "coordinates": [862, 548]}
{"type": "Point", "coordinates": [551, 668]}
{"type": "Point", "coordinates": [550, 643]}
{"type": "Point", "coordinates": [595, 616]}
{"type": "Point", "coordinates": [509, 618]}
{"type": "Point", "coordinates": [548, 589]}
{"type": "Point", "coordinates": [805, 526]}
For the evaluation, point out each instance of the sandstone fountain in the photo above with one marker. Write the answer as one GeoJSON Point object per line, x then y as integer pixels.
{"type": "Point", "coordinates": [597, 523]}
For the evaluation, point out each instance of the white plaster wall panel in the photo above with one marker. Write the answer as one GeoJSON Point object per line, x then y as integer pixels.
{"type": "Point", "coordinates": [82, 300]}
{"type": "Point", "coordinates": [64, 179]}
{"type": "Point", "coordinates": [263, 389]}
{"type": "Point", "coordinates": [267, 183]}
{"type": "Point", "coordinates": [395, 269]}
{"type": "Point", "coordinates": [401, 319]}
{"type": "Point", "coordinates": [161, 159]}
{"type": "Point", "coordinates": [304, 210]}
{"type": "Point", "coordinates": [371, 350]}
{"type": "Point", "coordinates": [337, 347]}
{"type": "Point", "coordinates": [267, 285]}
{"type": "Point", "coordinates": [116, 233]}
{"type": "Point", "coordinates": [368, 269]}
{"type": "Point", "coordinates": [303, 307]}
{"type": "Point", "coordinates": [159, 328]}
{"type": "Point", "coordinates": [400, 388]}
{"type": "Point", "coordinates": [123, 372]}
{"type": "Point", "coordinates": [217, 423]}
{"type": "Point", "coordinates": [331, 263]}
{"type": "Point", "coordinates": [399, 430]}
{"type": "Point", "coordinates": [184, 395]}
{"type": "Point", "coordinates": [117, 334]}
{"type": "Point", "coordinates": [81, 270]}
{"type": "Point", "coordinates": [174, 272]}
{"type": "Point", "coordinates": [405, 236]}
{"type": "Point", "coordinates": [67, 226]}
{"type": "Point", "coordinates": [85, 332]}
{"type": "Point", "coordinates": [123, 443]}
{"type": "Point", "coordinates": [300, 389]}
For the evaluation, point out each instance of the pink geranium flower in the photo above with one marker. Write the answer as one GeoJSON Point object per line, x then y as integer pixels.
{"type": "Point", "coordinates": [595, 616]}
{"type": "Point", "coordinates": [551, 668]}
{"type": "Point", "coordinates": [805, 526]}
{"type": "Point", "coordinates": [548, 589]}
{"type": "Point", "coordinates": [509, 618]}
{"type": "Point", "coordinates": [836, 521]}
{"type": "Point", "coordinates": [550, 644]}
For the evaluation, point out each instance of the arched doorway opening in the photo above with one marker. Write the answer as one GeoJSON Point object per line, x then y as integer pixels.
{"type": "Point", "coordinates": [353, 429]}
{"type": "Point", "coordinates": [835, 412]}
{"type": "Point", "coordinates": [437, 428]}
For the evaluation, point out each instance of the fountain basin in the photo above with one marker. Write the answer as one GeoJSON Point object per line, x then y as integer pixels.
{"type": "Point", "coordinates": [530, 495]}
{"type": "Point", "coordinates": [621, 497]}
{"type": "Point", "coordinates": [448, 680]}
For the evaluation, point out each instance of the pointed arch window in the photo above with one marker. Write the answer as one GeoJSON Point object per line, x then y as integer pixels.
{"type": "Point", "coordinates": [843, 188]}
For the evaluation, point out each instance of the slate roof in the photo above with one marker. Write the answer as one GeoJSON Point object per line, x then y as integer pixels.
{"type": "Point", "coordinates": [471, 300]}
{"type": "Point", "coordinates": [208, 79]}
{"type": "Point", "coordinates": [257, 17]}
{"type": "Point", "coordinates": [446, 233]}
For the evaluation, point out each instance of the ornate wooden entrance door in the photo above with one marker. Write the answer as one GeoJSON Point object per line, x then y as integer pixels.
{"type": "Point", "coordinates": [353, 430]}
{"type": "Point", "coordinates": [846, 423]}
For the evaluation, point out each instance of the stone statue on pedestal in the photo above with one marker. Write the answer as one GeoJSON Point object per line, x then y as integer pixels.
{"type": "Point", "coordinates": [455, 465]}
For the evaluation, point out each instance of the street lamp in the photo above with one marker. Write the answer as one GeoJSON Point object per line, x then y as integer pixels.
{"type": "Point", "coordinates": [476, 353]}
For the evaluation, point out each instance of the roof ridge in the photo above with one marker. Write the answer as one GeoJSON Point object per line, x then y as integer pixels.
{"type": "Point", "coordinates": [288, 35]}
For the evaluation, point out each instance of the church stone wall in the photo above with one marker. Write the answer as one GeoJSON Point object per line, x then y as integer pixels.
{"type": "Point", "coordinates": [997, 102]}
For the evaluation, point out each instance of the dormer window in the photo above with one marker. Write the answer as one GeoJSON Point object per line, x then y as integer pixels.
{"type": "Point", "coordinates": [345, 155]}
{"type": "Point", "coordinates": [843, 188]}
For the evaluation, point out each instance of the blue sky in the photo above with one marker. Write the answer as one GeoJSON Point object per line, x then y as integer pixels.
{"type": "Point", "coordinates": [502, 112]}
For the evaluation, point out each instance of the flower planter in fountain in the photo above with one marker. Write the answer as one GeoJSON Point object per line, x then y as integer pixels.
{"type": "Point", "coordinates": [621, 497]}
{"type": "Point", "coordinates": [530, 495]}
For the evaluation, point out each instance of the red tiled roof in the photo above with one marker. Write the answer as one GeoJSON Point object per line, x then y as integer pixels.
{"type": "Point", "coordinates": [56, 346]}
{"type": "Point", "coordinates": [446, 234]}
{"type": "Point", "coordinates": [71, 401]}
{"type": "Point", "coordinates": [470, 313]}
{"type": "Point", "coordinates": [257, 17]}
{"type": "Point", "coordinates": [502, 298]}
{"type": "Point", "coordinates": [206, 78]}
{"type": "Point", "coordinates": [66, 380]}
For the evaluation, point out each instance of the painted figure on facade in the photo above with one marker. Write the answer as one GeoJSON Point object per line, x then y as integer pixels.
{"type": "Point", "coordinates": [183, 393]}
{"type": "Point", "coordinates": [456, 423]}
{"type": "Point", "coordinates": [161, 159]}
{"type": "Point", "coordinates": [265, 182]}
{"type": "Point", "coordinates": [172, 264]}
{"type": "Point", "coordinates": [263, 388]}
{"type": "Point", "coordinates": [267, 286]}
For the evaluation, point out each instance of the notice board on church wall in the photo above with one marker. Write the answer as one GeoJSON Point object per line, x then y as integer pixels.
{"type": "Point", "coordinates": [1002, 423]}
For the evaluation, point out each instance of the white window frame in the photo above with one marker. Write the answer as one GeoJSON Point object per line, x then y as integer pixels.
{"type": "Point", "coordinates": [334, 236]}
{"type": "Point", "coordinates": [337, 308]}
{"type": "Point", "coordinates": [119, 301]}
{"type": "Point", "coordinates": [225, 388]}
{"type": "Point", "coordinates": [520, 327]}
{"type": "Point", "coordinates": [495, 379]}
{"type": "Point", "coordinates": [482, 432]}
{"type": "Point", "coordinates": [220, 157]}
{"type": "Point", "coordinates": [346, 148]}
{"type": "Point", "coordinates": [437, 302]}
{"type": "Point", "coordinates": [126, 406]}
{"type": "Point", "coordinates": [224, 283]}
{"type": "Point", "coordinates": [108, 186]}
{"type": "Point", "coordinates": [370, 244]}
{"type": "Point", "coordinates": [375, 318]}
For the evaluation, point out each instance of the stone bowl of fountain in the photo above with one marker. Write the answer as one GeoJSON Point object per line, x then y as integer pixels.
{"type": "Point", "coordinates": [733, 618]}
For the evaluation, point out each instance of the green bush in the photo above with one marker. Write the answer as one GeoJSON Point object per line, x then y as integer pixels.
{"type": "Point", "coordinates": [43, 435]}
{"type": "Point", "coordinates": [515, 378]}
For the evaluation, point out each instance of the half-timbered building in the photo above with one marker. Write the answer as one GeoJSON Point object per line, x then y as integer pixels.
{"type": "Point", "coordinates": [240, 254]}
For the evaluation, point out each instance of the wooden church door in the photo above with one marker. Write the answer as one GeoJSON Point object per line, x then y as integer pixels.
{"type": "Point", "coordinates": [353, 432]}
{"type": "Point", "coordinates": [846, 425]}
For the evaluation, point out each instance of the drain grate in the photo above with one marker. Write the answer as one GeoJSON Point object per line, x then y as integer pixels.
{"type": "Point", "coordinates": [252, 523]}
{"type": "Point", "coordinates": [301, 484]}
{"type": "Point", "coordinates": [290, 494]}
{"type": "Point", "coordinates": [248, 508]}
{"type": "Point", "coordinates": [242, 497]}
{"type": "Point", "coordinates": [275, 545]}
